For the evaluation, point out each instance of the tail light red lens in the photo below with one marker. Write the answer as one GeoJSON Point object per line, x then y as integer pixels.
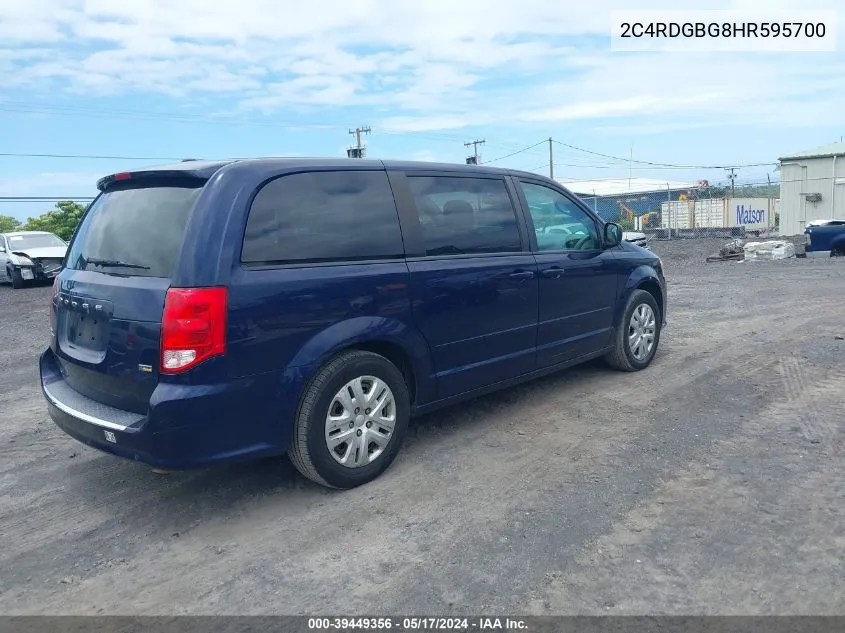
{"type": "Point", "coordinates": [193, 327]}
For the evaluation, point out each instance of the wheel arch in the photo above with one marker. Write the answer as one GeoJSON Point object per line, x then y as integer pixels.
{"type": "Point", "coordinates": [652, 286]}
{"type": "Point", "coordinates": [641, 278]}
{"type": "Point", "coordinates": [399, 342]}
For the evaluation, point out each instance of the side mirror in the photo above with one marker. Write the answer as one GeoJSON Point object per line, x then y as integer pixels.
{"type": "Point", "coordinates": [612, 235]}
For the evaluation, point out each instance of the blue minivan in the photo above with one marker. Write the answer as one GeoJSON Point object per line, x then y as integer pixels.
{"type": "Point", "coordinates": [213, 311]}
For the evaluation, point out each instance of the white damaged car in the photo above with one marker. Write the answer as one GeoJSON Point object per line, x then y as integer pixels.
{"type": "Point", "coordinates": [635, 237]}
{"type": "Point", "coordinates": [30, 256]}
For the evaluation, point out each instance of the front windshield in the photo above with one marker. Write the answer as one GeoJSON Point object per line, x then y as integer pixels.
{"type": "Point", "coordinates": [39, 240]}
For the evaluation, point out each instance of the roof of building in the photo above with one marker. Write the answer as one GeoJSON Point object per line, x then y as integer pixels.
{"type": "Point", "coordinates": [824, 151]}
{"type": "Point", "coordinates": [622, 186]}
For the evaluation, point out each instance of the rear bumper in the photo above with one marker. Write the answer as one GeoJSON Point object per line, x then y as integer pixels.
{"type": "Point", "coordinates": [186, 426]}
{"type": "Point", "coordinates": [816, 254]}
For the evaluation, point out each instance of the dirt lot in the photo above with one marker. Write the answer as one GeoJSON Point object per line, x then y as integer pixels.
{"type": "Point", "coordinates": [713, 482]}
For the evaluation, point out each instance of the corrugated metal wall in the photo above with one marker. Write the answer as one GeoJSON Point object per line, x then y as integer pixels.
{"type": "Point", "coordinates": [802, 178]}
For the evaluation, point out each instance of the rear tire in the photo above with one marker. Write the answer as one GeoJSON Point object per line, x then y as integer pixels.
{"type": "Point", "coordinates": [351, 420]}
{"type": "Point", "coordinates": [17, 280]}
{"type": "Point", "coordinates": [640, 327]}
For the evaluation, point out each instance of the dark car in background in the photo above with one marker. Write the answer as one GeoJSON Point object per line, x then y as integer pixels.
{"type": "Point", "coordinates": [214, 311]}
{"type": "Point", "coordinates": [825, 238]}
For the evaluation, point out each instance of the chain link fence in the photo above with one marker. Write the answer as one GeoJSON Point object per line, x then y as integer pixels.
{"type": "Point", "coordinates": [703, 211]}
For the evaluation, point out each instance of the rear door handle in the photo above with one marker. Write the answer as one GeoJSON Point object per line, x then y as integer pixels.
{"type": "Point", "coordinates": [552, 273]}
{"type": "Point", "coordinates": [523, 274]}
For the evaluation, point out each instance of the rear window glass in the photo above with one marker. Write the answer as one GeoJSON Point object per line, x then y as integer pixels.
{"type": "Point", "coordinates": [134, 230]}
{"type": "Point", "coordinates": [323, 216]}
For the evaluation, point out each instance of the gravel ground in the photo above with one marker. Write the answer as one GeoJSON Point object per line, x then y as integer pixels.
{"type": "Point", "coordinates": [712, 483]}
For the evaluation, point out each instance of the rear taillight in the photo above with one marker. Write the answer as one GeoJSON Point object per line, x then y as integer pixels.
{"type": "Point", "coordinates": [54, 301]}
{"type": "Point", "coordinates": [193, 327]}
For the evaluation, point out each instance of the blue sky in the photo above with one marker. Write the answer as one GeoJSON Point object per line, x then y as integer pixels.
{"type": "Point", "coordinates": [154, 80]}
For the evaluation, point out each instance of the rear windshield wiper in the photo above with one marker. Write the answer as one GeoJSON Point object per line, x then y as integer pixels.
{"type": "Point", "coordinates": [114, 263]}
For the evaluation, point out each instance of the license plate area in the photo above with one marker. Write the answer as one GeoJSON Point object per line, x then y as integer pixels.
{"type": "Point", "coordinates": [26, 273]}
{"type": "Point", "coordinates": [84, 327]}
{"type": "Point", "coordinates": [86, 331]}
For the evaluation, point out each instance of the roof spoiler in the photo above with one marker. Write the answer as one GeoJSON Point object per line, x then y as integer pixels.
{"type": "Point", "coordinates": [151, 174]}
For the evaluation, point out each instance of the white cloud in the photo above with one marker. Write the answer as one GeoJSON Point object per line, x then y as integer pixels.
{"type": "Point", "coordinates": [416, 66]}
{"type": "Point", "coordinates": [426, 124]}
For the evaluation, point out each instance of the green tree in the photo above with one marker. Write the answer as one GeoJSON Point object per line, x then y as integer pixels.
{"type": "Point", "coordinates": [62, 220]}
{"type": "Point", "coordinates": [625, 224]}
{"type": "Point", "coordinates": [8, 224]}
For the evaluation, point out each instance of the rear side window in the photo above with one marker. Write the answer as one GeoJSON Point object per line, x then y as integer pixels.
{"type": "Point", "coordinates": [465, 215]}
{"type": "Point", "coordinates": [323, 216]}
{"type": "Point", "coordinates": [134, 230]}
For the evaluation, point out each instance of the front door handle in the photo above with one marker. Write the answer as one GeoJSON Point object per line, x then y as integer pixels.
{"type": "Point", "coordinates": [552, 273]}
{"type": "Point", "coordinates": [522, 274]}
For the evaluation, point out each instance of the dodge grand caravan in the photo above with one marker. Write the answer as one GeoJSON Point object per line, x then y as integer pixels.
{"type": "Point", "coordinates": [212, 311]}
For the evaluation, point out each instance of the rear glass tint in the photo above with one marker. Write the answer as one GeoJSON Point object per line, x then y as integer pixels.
{"type": "Point", "coordinates": [135, 230]}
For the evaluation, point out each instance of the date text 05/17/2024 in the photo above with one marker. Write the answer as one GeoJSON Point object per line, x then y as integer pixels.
{"type": "Point", "coordinates": [415, 624]}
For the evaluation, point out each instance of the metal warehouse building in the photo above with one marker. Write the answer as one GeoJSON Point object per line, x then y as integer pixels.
{"type": "Point", "coordinates": [812, 187]}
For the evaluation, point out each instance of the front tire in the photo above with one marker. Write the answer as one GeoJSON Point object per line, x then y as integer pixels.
{"type": "Point", "coordinates": [351, 420]}
{"type": "Point", "coordinates": [17, 279]}
{"type": "Point", "coordinates": [638, 335]}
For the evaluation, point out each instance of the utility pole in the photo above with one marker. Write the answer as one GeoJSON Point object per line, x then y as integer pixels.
{"type": "Point", "coordinates": [358, 150]}
{"type": "Point", "coordinates": [732, 176]}
{"type": "Point", "coordinates": [473, 160]}
{"type": "Point", "coordinates": [551, 161]}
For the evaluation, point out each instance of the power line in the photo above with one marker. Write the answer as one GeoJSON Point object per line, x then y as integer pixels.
{"type": "Point", "coordinates": [43, 198]}
{"type": "Point", "coordinates": [536, 168]}
{"type": "Point", "coordinates": [524, 149]}
{"type": "Point", "coordinates": [178, 158]}
{"type": "Point", "coordinates": [86, 157]}
{"type": "Point", "coordinates": [66, 110]}
{"type": "Point", "coordinates": [646, 162]}
{"type": "Point", "coordinates": [750, 183]}
{"type": "Point", "coordinates": [69, 110]}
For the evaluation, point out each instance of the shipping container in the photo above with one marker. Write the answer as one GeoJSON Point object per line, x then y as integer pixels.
{"type": "Point", "coordinates": [754, 214]}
